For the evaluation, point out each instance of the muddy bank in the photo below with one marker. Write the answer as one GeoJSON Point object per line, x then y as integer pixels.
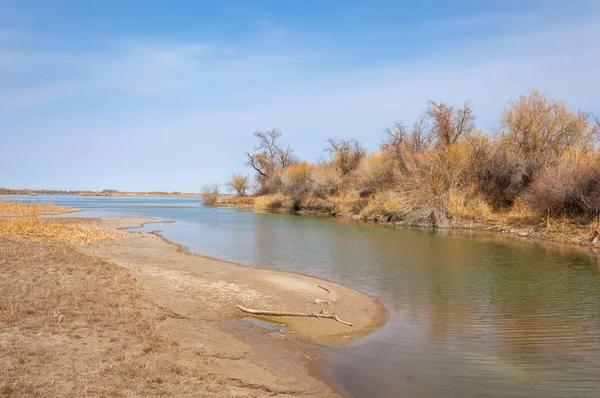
{"type": "Point", "coordinates": [203, 294]}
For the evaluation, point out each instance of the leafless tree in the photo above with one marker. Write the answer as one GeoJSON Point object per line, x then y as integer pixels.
{"type": "Point", "coordinates": [450, 124]}
{"type": "Point", "coordinates": [542, 129]}
{"type": "Point", "coordinates": [395, 142]}
{"type": "Point", "coordinates": [419, 137]}
{"type": "Point", "coordinates": [346, 154]}
{"type": "Point", "coordinates": [596, 129]}
{"type": "Point", "coordinates": [269, 155]}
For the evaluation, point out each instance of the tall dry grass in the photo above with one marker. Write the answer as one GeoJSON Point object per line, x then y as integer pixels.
{"type": "Point", "coordinates": [26, 219]}
{"type": "Point", "coordinates": [16, 207]}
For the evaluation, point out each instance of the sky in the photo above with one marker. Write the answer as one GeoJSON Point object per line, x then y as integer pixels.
{"type": "Point", "coordinates": [165, 95]}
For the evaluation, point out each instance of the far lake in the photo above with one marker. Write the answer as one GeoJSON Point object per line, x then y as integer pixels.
{"type": "Point", "coordinates": [470, 315]}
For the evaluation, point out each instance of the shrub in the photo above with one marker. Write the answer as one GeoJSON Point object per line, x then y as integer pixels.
{"type": "Point", "coordinates": [506, 174]}
{"type": "Point", "coordinates": [239, 183]}
{"type": "Point", "coordinates": [571, 188]}
{"type": "Point", "coordinates": [296, 180]}
{"type": "Point", "coordinates": [467, 204]}
{"type": "Point", "coordinates": [350, 204]}
{"type": "Point", "coordinates": [345, 154]}
{"type": "Point", "coordinates": [429, 181]}
{"type": "Point", "coordinates": [325, 181]}
{"type": "Point", "coordinates": [210, 194]}
{"type": "Point", "coordinates": [542, 129]}
{"type": "Point", "coordinates": [536, 131]}
{"type": "Point", "coordinates": [375, 173]}
{"type": "Point", "coordinates": [386, 206]}
{"type": "Point", "coordinates": [319, 205]}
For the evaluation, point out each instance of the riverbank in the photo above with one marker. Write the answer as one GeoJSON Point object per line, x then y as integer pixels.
{"type": "Point", "coordinates": [141, 316]}
{"type": "Point", "coordinates": [521, 225]}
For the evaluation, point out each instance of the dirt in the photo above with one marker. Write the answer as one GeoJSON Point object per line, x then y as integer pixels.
{"type": "Point", "coordinates": [142, 317]}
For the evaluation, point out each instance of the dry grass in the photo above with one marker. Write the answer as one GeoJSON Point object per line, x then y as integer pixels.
{"type": "Point", "coordinates": [19, 219]}
{"type": "Point", "coordinates": [237, 201]}
{"type": "Point", "coordinates": [17, 208]}
{"type": "Point", "coordinates": [466, 204]}
{"type": "Point", "coordinates": [72, 325]}
{"type": "Point", "coordinates": [269, 202]}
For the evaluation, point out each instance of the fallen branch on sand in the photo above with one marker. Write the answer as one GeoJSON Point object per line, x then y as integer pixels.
{"type": "Point", "coordinates": [324, 288]}
{"type": "Point", "coordinates": [284, 313]}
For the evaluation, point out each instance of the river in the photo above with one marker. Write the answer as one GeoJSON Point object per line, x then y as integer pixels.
{"type": "Point", "coordinates": [470, 315]}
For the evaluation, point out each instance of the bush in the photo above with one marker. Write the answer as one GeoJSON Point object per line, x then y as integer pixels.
{"type": "Point", "coordinates": [296, 180]}
{"type": "Point", "coordinates": [345, 154]}
{"type": "Point", "coordinates": [429, 182]}
{"type": "Point", "coordinates": [239, 183]}
{"type": "Point", "coordinates": [374, 174]}
{"type": "Point", "coordinates": [536, 132]}
{"type": "Point", "coordinates": [318, 205]}
{"type": "Point", "coordinates": [506, 174]}
{"type": "Point", "coordinates": [543, 129]}
{"type": "Point", "coordinates": [210, 194]}
{"type": "Point", "coordinates": [325, 181]}
{"type": "Point", "coordinates": [570, 188]}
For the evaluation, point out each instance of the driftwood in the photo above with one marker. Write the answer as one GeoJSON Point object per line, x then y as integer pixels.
{"type": "Point", "coordinates": [324, 288]}
{"type": "Point", "coordinates": [301, 314]}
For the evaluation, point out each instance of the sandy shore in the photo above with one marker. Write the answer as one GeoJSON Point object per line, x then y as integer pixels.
{"type": "Point", "coordinates": [203, 293]}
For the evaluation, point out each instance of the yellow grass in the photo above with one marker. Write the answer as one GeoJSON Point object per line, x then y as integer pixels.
{"type": "Point", "coordinates": [10, 207]}
{"type": "Point", "coordinates": [269, 202]}
{"type": "Point", "coordinates": [465, 205]}
{"type": "Point", "coordinates": [22, 219]}
{"type": "Point", "coordinates": [74, 325]}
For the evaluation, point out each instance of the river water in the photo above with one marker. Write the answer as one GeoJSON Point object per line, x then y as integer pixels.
{"type": "Point", "coordinates": [470, 315]}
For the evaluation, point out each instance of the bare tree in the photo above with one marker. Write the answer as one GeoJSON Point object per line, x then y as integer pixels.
{"type": "Point", "coordinates": [395, 143]}
{"type": "Point", "coordinates": [346, 154]}
{"type": "Point", "coordinates": [399, 140]}
{"type": "Point", "coordinates": [450, 124]}
{"type": "Point", "coordinates": [239, 183]}
{"type": "Point", "coordinates": [542, 129]}
{"type": "Point", "coordinates": [419, 138]}
{"type": "Point", "coordinates": [269, 155]}
{"type": "Point", "coordinates": [596, 129]}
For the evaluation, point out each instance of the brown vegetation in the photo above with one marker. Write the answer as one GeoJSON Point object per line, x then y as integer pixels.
{"type": "Point", "coordinates": [444, 171]}
{"type": "Point", "coordinates": [72, 324]}
{"type": "Point", "coordinates": [210, 194]}
{"type": "Point", "coordinates": [25, 220]}
{"type": "Point", "coordinates": [239, 183]}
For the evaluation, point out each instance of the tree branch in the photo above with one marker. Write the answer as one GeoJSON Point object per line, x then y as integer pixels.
{"type": "Point", "coordinates": [286, 313]}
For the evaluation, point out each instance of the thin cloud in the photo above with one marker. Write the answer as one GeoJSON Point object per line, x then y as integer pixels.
{"type": "Point", "coordinates": [181, 101]}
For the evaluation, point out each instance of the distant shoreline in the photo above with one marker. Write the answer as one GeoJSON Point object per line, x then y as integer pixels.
{"type": "Point", "coordinates": [35, 192]}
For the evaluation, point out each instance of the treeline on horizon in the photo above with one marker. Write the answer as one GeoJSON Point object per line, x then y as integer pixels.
{"type": "Point", "coordinates": [441, 170]}
{"type": "Point", "coordinates": [105, 192]}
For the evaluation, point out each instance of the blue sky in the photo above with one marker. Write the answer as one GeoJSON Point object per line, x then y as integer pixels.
{"type": "Point", "coordinates": [165, 95]}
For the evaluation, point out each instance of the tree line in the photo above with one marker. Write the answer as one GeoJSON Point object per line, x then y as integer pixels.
{"type": "Point", "coordinates": [441, 168]}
